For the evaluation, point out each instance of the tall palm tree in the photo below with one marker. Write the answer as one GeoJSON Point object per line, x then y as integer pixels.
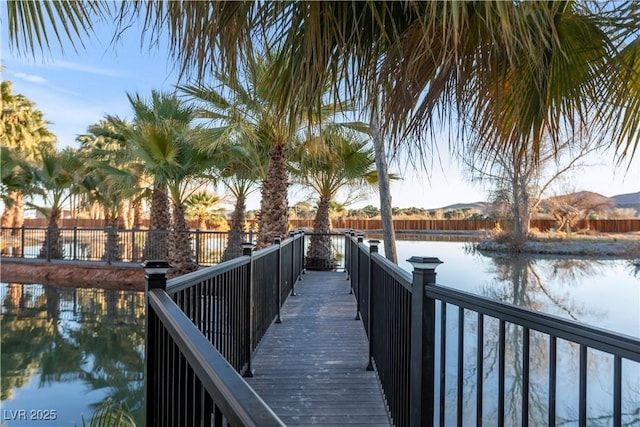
{"type": "Point", "coordinates": [163, 139]}
{"type": "Point", "coordinates": [249, 113]}
{"type": "Point", "coordinates": [327, 163]}
{"type": "Point", "coordinates": [24, 133]}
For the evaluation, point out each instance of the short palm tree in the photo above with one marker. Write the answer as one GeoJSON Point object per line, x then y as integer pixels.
{"type": "Point", "coordinates": [242, 165]}
{"type": "Point", "coordinates": [336, 159]}
{"type": "Point", "coordinates": [56, 179]}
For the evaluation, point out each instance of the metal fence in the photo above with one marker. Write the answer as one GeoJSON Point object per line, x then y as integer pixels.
{"type": "Point", "coordinates": [113, 245]}
{"type": "Point", "coordinates": [203, 329]}
{"type": "Point", "coordinates": [431, 345]}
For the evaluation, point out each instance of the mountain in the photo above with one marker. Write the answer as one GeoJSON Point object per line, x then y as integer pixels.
{"type": "Point", "coordinates": [622, 201]}
{"type": "Point", "coordinates": [629, 200]}
{"type": "Point", "coordinates": [482, 207]}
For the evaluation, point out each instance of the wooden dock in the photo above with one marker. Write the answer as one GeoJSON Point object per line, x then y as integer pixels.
{"type": "Point", "coordinates": [311, 368]}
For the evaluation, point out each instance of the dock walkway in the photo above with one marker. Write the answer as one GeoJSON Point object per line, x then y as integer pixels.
{"type": "Point", "coordinates": [311, 368]}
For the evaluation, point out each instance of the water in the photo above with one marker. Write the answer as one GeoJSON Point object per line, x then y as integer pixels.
{"type": "Point", "coordinates": [66, 350]}
{"type": "Point", "coordinates": [69, 349]}
{"type": "Point", "coordinates": [600, 293]}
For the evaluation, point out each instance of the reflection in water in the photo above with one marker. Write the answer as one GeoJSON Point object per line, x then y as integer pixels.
{"type": "Point", "coordinates": [89, 341]}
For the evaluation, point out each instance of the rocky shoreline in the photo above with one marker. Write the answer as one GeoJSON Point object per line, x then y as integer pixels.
{"type": "Point", "coordinates": [624, 246]}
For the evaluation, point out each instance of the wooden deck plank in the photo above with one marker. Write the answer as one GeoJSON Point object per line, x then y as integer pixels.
{"type": "Point", "coordinates": [311, 368]}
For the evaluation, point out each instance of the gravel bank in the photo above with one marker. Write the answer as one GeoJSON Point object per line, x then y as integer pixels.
{"type": "Point", "coordinates": [625, 246]}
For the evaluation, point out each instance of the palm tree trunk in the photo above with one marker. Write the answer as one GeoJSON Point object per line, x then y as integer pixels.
{"type": "Point", "coordinates": [159, 222]}
{"type": "Point", "coordinates": [386, 211]}
{"type": "Point", "coordinates": [180, 256]}
{"type": "Point", "coordinates": [274, 206]}
{"type": "Point", "coordinates": [320, 255]}
{"type": "Point", "coordinates": [237, 231]}
{"type": "Point", "coordinates": [52, 248]}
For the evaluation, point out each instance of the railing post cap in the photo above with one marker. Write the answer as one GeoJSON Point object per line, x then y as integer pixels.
{"type": "Point", "coordinates": [156, 266]}
{"type": "Point", "coordinates": [424, 263]}
{"type": "Point", "coordinates": [374, 242]}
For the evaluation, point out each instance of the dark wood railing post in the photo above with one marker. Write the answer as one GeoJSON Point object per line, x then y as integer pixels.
{"type": "Point", "coordinates": [278, 241]}
{"type": "Point", "coordinates": [423, 318]}
{"type": "Point", "coordinates": [247, 250]}
{"type": "Point", "coordinates": [155, 278]}
{"type": "Point", "coordinates": [373, 248]}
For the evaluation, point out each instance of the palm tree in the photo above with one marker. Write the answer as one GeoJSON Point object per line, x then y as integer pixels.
{"type": "Point", "coordinates": [56, 179]}
{"type": "Point", "coordinates": [407, 59]}
{"type": "Point", "coordinates": [242, 165]}
{"type": "Point", "coordinates": [105, 144]}
{"type": "Point", "coordinates": [336, 159]}
{"type": "Point", "coordinates": [163, 140]}
{"type": "Point", "coordinates": [203, 206]}
{"type": "Point", "coordinates": [249, 113]}
{"type": "Point", "coordinates": [23, 133]}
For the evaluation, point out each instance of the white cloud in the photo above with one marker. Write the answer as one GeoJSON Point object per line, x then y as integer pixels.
{"type": "Point", "coordinates": [31, 78]}
{"type": "Point", "coordinates": [84, 68]}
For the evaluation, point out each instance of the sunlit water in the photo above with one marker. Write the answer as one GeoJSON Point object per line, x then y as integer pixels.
{"type": "Point", "coordinates": [68, 350]}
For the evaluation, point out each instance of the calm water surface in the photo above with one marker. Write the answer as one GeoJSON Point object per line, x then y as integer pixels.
{"type": "Point", "coordinates": [70, 349]}
{"type": "Point", "coordinates": [65, 350]}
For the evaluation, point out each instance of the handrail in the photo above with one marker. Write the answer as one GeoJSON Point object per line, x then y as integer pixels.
{"type": "Point", "coordinates": [179, 283]}
{"type": "Point", "coordinates": [237, 401]}
{"type": "Point", "coordinates": [596, 338]}
{"type": "Point", "coordinates": [228, 308]}
{"type": "Point", "coordinates": [403, 317]}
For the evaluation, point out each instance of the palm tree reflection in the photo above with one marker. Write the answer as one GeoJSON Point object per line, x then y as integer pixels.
{"type": "Point", "coordinates": [65, 335]}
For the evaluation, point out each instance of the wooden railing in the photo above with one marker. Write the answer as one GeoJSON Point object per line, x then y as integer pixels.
{"type": "Point", "coordinates": [428, 343]}
{"type": "Point", "coordinates": [203, 328]}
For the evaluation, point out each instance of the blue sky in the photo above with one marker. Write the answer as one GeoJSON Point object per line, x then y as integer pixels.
{"type": "Point", "coordinates": [75, 90]}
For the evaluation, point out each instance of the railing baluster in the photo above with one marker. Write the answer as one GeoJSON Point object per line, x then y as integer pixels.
{"type": "Point", "coordinates": [443, 360]}
{"type": "Point", "coordinates": [553, 350]}
{"type": "Point", "coordinates": [479, 369]}
{"type": "Point", "coordinates": [459, 408]}
{"type": "Point", "coordinates": [501, 371]}
{"type": "Point", "coordinates": [525, 377]}
{"type": "Point", "coordinates": [617, 391]}
{"type": "Point", "coordinates": [582, 418]}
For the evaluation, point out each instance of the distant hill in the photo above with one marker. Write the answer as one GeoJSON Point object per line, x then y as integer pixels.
{"type": "Point", "coordinates": [483, 207]}
{"type": "Point", "coordinates": [622, 201]}
{"type": "Point", "coordinates": [629, 200]}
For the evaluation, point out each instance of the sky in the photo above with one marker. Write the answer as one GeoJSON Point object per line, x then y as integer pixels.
{"type": "Point", "coordinates": [75, 90]}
